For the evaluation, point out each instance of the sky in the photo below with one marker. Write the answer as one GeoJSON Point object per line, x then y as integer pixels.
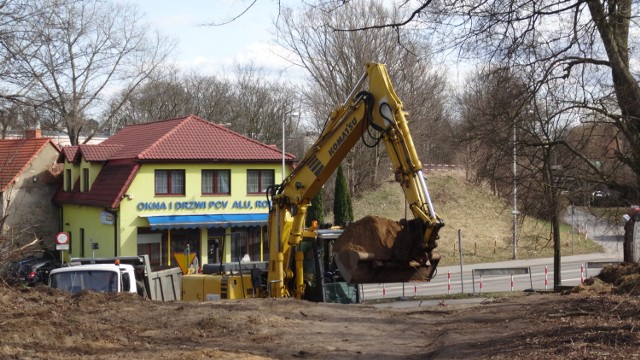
{"type": "Point", "coordinates": [214, 49]}
{"type": "Point", "coordinates": [248, 39]}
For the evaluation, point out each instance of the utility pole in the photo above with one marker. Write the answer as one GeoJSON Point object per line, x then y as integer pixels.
{"type": "Point", "coordinates": [515, 194]}
{"type": "Point", "coordinates": [283, 138]}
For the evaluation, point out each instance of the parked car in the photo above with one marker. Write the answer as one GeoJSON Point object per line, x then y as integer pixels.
{"type": "Point", "coordinates": [604, 198]}
{"type": "Point", "coordinates": [30, 270]}
{"type": "Point", "coordinates": [38, 272]}
{"type": "Point", "coordinates": [17, 271]}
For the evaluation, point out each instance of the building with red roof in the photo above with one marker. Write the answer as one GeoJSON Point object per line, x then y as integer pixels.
{"type": "Point", "coordinates": [168, 188]}
{"type": "Point", "coordinates": [28, 176]}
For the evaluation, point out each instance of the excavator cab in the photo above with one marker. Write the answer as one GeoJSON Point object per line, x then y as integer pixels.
{"type": "Point", "coordinates": [322, 278]}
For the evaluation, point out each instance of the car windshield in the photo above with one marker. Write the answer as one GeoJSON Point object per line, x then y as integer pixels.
{"type": "Point", "coordinates": [94, 280]}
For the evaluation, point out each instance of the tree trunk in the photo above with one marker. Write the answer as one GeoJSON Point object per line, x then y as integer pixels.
{"type": "Point", "coordinates": [555, 229]}
{"type": "Point", "coordinates": [614, 32]}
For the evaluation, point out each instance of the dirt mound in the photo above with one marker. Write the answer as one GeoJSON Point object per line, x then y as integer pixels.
{"type": "Point", "coordinates": [43, 323]}
{"type": "Point", "coordinates": [624, 277]}
{"type": "Point", "coordinates": [379, 250]}
{"type": "Point", "coordinates": [92, 297]}
{"type": "Point", "coordinates": [593, 285]}
{"type": "Point", "coordinates": [384, 238]}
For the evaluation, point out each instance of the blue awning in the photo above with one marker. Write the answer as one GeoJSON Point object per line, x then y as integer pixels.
{"type": "Point", "coordinates": [206, 221]}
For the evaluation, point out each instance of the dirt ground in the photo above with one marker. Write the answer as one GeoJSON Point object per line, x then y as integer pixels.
{"type": "Point", "coordinates": [589, 322]}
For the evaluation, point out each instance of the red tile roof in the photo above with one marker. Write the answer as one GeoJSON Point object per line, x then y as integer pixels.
{"type": "Point", "coordinates": [100, 152]}
{"type": "Point", "coordinates": [183, 139]}
{"type": "Point", "coordinates": [16, 155]}
{"type": "Point", "coordinates": [108, 188]}
{"type": "Point", "coordinates": [189, 138]}
{"type": "Point", "coordinates": [69, 153]}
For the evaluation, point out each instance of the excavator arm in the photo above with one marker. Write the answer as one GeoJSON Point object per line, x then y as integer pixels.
{"type": "Point", "coordinates": [375, 109]}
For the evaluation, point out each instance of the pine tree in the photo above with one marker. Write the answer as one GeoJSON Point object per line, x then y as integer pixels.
{"type": "Point", "coordinates": [342, 210]}
{"type": "Point", "coordinates": [316, 210]}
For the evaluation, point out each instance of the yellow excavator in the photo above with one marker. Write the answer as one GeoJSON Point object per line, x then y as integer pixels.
{"type": "Point", "coordinates": [325, 264]}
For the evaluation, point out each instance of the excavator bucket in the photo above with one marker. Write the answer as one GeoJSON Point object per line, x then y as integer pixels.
{"type": "Point", "coordinates": [379, 250]}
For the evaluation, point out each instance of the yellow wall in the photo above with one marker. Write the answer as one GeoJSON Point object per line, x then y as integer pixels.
{"type": "Point", "coordinates": [239, 202]}
{"type": "Point", "coordinates": [94, 169]}
{"type": "Point", "coordinates": [76, 171]}
{"type": "Point", "coordinates": [132, 212]}
{"type": "Point", "coordinates": [74, 174]}
{"type": "Point", "coordinates": [76, 217]}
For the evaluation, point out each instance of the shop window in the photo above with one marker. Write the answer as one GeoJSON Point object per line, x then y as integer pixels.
{"type": "Point", "coordinates": [254, 240]}
{"type": "Point", "coordinates": [239, 244]}
{"type": "Point", "coordinates": [259, 180]}
{"type": "Point", "coordinates": [246, 241]}
{"type": "Point", "coordinates": [67, 180]}
{"type": "Point", "coordinates": [216, 182]}
{"type": "Point", "coordinates": [169, 182]}
{"type": "Point", "coordinates": [183, 239]}
{"type": "Point", "coordinates": [85, 180]}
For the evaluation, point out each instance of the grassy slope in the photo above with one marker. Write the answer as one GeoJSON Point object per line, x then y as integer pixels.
{"type": "Point", "coordinates": [484, 221]}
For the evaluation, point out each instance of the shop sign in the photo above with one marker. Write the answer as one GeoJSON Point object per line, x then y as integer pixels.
{"type": "Point", "coordinates": [106, 218]}
{"type": "Point", "coordinates": [202, 205]}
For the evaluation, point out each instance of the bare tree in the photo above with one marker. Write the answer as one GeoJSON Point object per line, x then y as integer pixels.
{"type": "Point", "coordinates": [210, 97]}
{"type": "Point", "coordinates": [12, 13]}
{"type": "Point", "coordinates": [335, 60]}
{"type": "Point", "coordinates": [248, 102]}
{"type": "Point", "coordinates": [67, 55]}
{"type": "Point", "coordinates": [261, 105]}
{"type": "Point", "coordinates": [551, 148]}
{"type": "Point", "coordinates": [9, 112]}
{"type": "Point", "coordinates": [163, 96]}
{"type": "Point", "coordinates": [582, 47]}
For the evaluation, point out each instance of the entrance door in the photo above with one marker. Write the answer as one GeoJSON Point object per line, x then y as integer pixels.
{"type": "Point", "coordinates": [214, 248]}
{"type": "Point", "coordinates": [151, 244]}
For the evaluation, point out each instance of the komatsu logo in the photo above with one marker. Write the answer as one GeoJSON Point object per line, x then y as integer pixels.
{"type": "Point", "coordinates": [343, 136]}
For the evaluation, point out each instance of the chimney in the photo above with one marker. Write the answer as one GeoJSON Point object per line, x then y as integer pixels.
{"type": "Point", "coordinates": [32, 133]}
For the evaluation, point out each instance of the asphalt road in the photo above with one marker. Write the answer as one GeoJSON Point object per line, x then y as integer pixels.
{"type": "Point", "coordinates": [508, 275]}
{"type": "Point", "coordinates": [539, 276]}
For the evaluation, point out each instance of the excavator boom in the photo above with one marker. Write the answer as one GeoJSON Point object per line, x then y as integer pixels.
{"type": "Point", "coordinates": [406, 251]}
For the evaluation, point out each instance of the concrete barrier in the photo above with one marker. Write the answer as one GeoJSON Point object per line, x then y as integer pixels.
{"type": "Point", "coordinates": [500, 271]}
{"type": "Point", "coordinates": [598, 265]}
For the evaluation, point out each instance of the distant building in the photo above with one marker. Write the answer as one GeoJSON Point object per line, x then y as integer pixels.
{"type": "Point", "coordinates": [58, 138]}
{"type": "Point", "coordinates": [62, 140]}
{"type": "Point", "coordinates": [168, 187]}
{"type": "Point", "coordinates": [28, 180]}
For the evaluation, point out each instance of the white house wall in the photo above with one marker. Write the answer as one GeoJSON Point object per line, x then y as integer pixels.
{"type": "Point", "coordinates": [27, 202]}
